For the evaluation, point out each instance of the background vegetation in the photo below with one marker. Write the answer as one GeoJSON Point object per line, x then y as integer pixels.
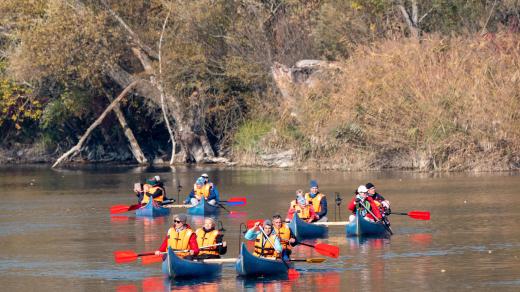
{"type": "Point", "coordinates": [419, 84]}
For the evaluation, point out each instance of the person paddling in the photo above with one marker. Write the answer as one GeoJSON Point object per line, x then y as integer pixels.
{"type": "Point", "coordinates": [153, 188]}
{"type": "Point", "coordinates": [264, 246]}
{"type": "Point", "coordinates": [381, 202]}
{"type": "Point", "coordinates": [287, 238]}
{"type": "Point", "coordinates": [318, 201]}
{"type": "Point", "coordinates": [363, 203]}
{"type": "Point", "coordinates": [207, 235]}
{"type": "Point", "coordinates": [201, 191]}
{"type": "Point", "coordinates": [299, 206]}
{"type": "Point", "coordinates": [180, 237]}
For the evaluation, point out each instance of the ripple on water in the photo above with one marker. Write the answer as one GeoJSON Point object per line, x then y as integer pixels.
{"type": "Point", "coordinates": [64, 269]}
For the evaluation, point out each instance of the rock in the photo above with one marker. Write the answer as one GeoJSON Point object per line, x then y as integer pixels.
{"type": "Point", "coordinates": [158, 160]}
{"type": "Point", "coordinates": [282, 159]}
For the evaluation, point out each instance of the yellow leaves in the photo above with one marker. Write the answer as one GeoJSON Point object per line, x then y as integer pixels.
{"type": "Point", "coordinates": [356, 5]}
{"type": "Point", "coordinates": [17, 104]}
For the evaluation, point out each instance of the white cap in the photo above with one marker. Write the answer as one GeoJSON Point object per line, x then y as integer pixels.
{"type": "Point", "coordinates": [205, 175]}
{"type": "Point", "coordinates": [157, 178]}
{"type": "Point", "coordinates": [362, 189]}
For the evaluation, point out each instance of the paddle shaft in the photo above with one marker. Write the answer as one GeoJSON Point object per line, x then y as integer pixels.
{"type": "Point", "coordinates": [378, 220]}
{"type": "Point", "coordinates": [268, 239]}
{"type": "Point", "coordinates": [336, 223]}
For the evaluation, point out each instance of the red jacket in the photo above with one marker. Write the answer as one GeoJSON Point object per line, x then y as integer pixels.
{"type": "Point", "coordinates": [373, 208]}
{"type": "Point", "coordinates": [192, 244]}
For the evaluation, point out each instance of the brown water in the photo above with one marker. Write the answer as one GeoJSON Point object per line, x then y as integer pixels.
{"type": "Point", "coordinates": [56, 232]}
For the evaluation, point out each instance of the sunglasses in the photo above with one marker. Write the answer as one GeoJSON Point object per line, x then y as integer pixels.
{"type": "Point", "coordinates": [177, 221]}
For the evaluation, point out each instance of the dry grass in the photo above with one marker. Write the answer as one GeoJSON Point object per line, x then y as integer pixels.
{"type": "Point", "coordinates": [445, 104]}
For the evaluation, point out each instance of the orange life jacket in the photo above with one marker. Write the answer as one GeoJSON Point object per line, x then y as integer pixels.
{"type": "Point", "coordinates": [264, 248]}
{"type": "Point", "coordinates": [284, 233]}
{"type": "Point", "coordinates": [303, 212]}
{"type": "Point", "coordinates": [202, 192]}
{"type": "Point", "coordinates": [152, 190]}
{"type": "Point", "coordinates": [316, 201]}
{"type": "Point", "coordinates": [207, 238]}
{"type": "Point", "coordinates": [179, 240]}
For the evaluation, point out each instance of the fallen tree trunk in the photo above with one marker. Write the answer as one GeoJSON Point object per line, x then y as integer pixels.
{"type": "Point", "coordinates": [134, 145]}
{"type": "Point", "coordinates": [74, 150]}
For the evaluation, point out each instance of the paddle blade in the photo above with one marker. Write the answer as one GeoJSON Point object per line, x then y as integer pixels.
{"type": "Point", "coordinates": [251, 223]}
{"type": "Point", "coordinates": [292, 274]}
{"type": "Point", "coordinates": [119, 209]}
{"type": "Point", "coordinates": [151, 259]}
{"type": "Point", "coordinates": [237, 201]}
{"type": "Point", "coordinates": [327, 250]}
{"type": "Point", "coordinates": [315, 260]}
{"type": "Point", "coordinates": [124, 256]}
{"type": "Point", "coordinates": [420, 215]}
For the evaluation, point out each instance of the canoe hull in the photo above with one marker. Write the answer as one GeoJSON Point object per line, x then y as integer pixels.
{"type": "Point", "coordinates": [175, 267]}
{"type": "Point", "coordinates": [362, 227]}
{"type": "Point", "coordinates": [152, 210]}
{"type": "Point", "coordinates": [249, 265]}
{"type": "Point", "coordinates": [203, 208]}
{"type": "Point", "coordinates": [303, 230]}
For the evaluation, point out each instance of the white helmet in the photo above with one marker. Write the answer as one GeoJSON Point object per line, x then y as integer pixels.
{"type": "Point", "coordinates": [362, 189]}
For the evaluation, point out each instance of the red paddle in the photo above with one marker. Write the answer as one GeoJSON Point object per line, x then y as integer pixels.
{"type": "Point", "coordinates": [251, 223]}
{"type": "Point", "coordinates": [325, 249]}
{"type": "Point", "coordinates": [123, 208]}
{"type": "Point", "coordinates": [127, 256]}
{"type": "Point", "coordinates": [419, 215]}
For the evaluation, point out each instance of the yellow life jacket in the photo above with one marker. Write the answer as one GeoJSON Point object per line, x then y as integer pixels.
{"type": "Point", "coordinates": [268, 250]}
{"type": "Point", "coordinates": [303, 212]}
{"type": "Point", "coordinates": [152, 190]}
{"type": "Point", "coordinates": [202, 192]}
{"type": "Point", "coordinates": [284, 233]}
{"type": "Point", "coordinates": [179, 240]}
{"type": "Point", "coordinates": [315, 201]}
{"type": "Point", "coordinates": [207, 238]}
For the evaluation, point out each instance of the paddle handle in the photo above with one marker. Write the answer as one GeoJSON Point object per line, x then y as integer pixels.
{"type": "Point", "coordinates": [268, 239]}
{"type": "Point", "coordinates": [378, 220]}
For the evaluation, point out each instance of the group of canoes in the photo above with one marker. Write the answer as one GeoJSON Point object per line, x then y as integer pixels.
{"type": "Point", "coordinates": [203, 198]}
{"type": "Point", "coordinates": [188, 253]}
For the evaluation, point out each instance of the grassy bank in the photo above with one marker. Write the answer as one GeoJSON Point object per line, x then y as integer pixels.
{"type": "Point", "coordinates": [438, 104]}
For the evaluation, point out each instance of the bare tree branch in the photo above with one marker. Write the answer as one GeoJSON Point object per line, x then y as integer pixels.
{"type": "Point", "coordinates": [131, 34]}
{"type": "Point", "coordinates": [74, 150]}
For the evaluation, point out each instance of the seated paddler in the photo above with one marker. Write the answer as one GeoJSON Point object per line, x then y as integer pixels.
{"type": "Point", "coordinates": [364, 205]}
{"type": "Point", "coordinates": [201, 191]}
{"type": "Point", "coordinates": [286, 236]}
{"type": "Point", "coordinates": [318, 201]}
{"type": "Point", "coordinates": [267, 242]}
{"type": "Point", "coordinates": [209, 240]}
{"type": "Point", "coordinates": [300, 207]}
{"type": "Point", "coordinates": [153, 188]}
{"type": "Point", "coordinates": [180, 238]}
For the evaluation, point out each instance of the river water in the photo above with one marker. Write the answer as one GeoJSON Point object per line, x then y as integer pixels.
{"type": "Point", "coordinates": [56, 232]}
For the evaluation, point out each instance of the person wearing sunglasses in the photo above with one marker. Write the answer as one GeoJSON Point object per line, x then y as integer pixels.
{"type": "Point", "coordinates": [180, 238]}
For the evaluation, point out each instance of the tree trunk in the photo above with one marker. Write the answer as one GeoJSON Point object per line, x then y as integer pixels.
{"type": "Point", "coordinates": [74, 150]}
{"type": "Point", "coordinates": [134, 145]}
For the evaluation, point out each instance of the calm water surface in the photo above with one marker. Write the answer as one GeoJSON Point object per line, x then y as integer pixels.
{"type": "Point", "coordinates": [56, 232]}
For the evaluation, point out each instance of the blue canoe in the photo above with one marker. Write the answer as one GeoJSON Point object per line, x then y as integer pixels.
{"type": "Point", "coordinates": [303, 230]}
{"type": "Point", "coordinates": [203, 208]}
{"type": "Point", "coordinates": [152, 210]}
{"type": "Point", "coordinates": [175, 267]}
{"type": "Point", "coordinates": [249, 265]}
{"type": "Point", "coordinates": [362, 227]}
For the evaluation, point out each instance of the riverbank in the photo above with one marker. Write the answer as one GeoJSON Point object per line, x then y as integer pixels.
{"type": "Point", "coordinates": [291, 159]}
